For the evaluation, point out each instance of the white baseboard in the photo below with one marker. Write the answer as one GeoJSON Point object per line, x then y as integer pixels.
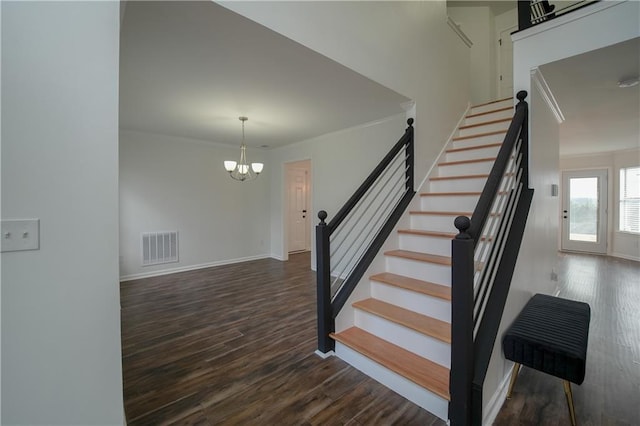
{"type": "Point", "coordinates": [191, 267]}
{"type": "Point", "coordinates": [625, 256]}
{"type": "Point", "coordinates": [323, 355]}
{"type": "Point", "coordinates": [495, 403]}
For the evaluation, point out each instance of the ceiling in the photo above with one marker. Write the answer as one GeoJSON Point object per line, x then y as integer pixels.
{"type": "Point", "coordinates": [190, 69]}
{"type": "Point", "coordinates": [600, 116]}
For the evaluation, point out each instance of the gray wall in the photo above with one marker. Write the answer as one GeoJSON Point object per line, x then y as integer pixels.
{"type": "Point", "coordinates": [60, 304]}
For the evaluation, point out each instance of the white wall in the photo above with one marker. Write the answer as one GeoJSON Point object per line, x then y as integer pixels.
{"type": "Point", "coordinates": [620, 244]}
{"type": "Point", "coordinates": [538, 252]}
{"type": "Point", "coordinates": [478, 24]}
{"type": "Point", "coordinates": [406, 46]}
{"type": "Point", "coordinates": [340, 161]}
{"type": "Point", "coordinates": [563, 37]}
{"type": "Point", "coordinates": [599, 25]}
{"type": "Point", "coordinates": [169, 183]}
{"type": "Point", "coordinates": [61, 360]}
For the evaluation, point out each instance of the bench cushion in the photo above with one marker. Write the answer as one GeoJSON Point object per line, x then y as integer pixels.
{"type": "Point", "coordinates": [550, 335]}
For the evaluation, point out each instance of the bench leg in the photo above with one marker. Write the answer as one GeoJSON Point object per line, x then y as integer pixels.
{"type": "Point", "coordinates": [569, 395]}
{"type": "Point", "coordinates": [514, 376]}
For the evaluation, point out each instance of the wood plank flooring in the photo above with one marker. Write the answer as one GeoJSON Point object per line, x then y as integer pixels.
{"type": "Point", "coordinates": [610, 393]}
{"type": "Point", "coordinates": [235, 345]}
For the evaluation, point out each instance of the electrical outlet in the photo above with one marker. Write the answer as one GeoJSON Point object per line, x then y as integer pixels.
{"type": "Point", "coordinates": [19, 235]}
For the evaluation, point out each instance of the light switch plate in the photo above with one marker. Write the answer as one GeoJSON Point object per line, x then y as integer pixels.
{"type": "Point", "coordinates": [20, 234]}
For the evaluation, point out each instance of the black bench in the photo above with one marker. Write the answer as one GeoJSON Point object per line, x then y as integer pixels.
{"type": "Point", "coordinates": [550, 335]}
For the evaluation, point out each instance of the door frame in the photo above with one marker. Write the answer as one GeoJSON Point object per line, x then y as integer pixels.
{"type": "Point", "coordinates": [603, 210]}
{"type": "Point", "coordinates": [285, 203]}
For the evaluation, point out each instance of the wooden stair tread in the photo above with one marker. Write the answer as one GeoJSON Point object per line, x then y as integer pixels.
{"type": "Point", "coordinates": [489, 112]}
{"type": "Point", "coordinates": [421, 371]}
{"type": "Point", "coordinates": [492, 102]}
{"type": "Point", "coordinates": [421, 323]}
{"type": "Point", "coordinates": [420, 257]}
{"type": "Point", "coordinates": [475, 160]}
{"type": "Point", "coordinates": [478, 135]}
{"type": "Point", "coordinates": [440, 213]}
{"type": "Point", "coordinates": [485, 123]}
{"type": "Point", "coordinates": [469, 148]}
{"type": "Point", "coordinates": [418, 286]}
{"type": "Point", "coordinates": [436, 234]}
{"type": "Point", "coordinates": [459, 177]}
{"type": "Point", "coordinates": [449, 194]}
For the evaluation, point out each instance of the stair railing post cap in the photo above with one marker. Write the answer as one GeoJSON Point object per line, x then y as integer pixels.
{"type": "Point", "coordinates": [462, 224]}
{"type": "Point", "coordinates": [322, 215]}
{"type": "Point", "coordinates": [410, 122]}
{"type": "Point", "coordinates": [521, 95]}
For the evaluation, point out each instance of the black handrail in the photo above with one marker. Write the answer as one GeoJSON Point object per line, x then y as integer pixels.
{"type": "Point", "coordinates": [490, 191]}
{"type": "Point", "coordinates": [384, 163]}
{"type": "Point", "coordinates": [470, 356]}
{"type": "Point", "coordinates": [328, 309]}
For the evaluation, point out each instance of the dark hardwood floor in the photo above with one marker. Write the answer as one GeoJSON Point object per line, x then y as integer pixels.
{"type": "Point", "coordinates": [235, 345]}
{"type": "Point", "coordinates": [610, 393]}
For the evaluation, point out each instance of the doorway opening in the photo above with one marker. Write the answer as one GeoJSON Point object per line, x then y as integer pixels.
{"type": "Point", "coordinates": [297, 224]}
{"type": "Point", "coordinates": [584, 211]}
{"type": "Point", "coordinates": [505, 62]}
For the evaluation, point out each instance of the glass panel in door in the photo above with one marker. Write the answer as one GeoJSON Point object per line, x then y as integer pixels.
{"type": "Point", "coordinates": [584, 220]}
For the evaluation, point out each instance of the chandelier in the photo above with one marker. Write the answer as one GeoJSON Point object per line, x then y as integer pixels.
{"type": "Point", "coordinates": [242, 170]}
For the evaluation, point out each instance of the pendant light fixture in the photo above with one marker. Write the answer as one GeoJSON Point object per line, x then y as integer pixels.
{"type": "Point", "coordinates": [242, 170]}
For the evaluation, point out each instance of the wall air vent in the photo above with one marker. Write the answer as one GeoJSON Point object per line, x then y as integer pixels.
{"type": "Point", "coordinates": [159, 247]}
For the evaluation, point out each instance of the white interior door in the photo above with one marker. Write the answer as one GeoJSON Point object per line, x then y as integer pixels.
{"type": "Point", "coordinates": [505, 63]}
{"type": "Point", "coordinates": [584, 211]}
{"type": "Point", "coordinates": [298, 214]}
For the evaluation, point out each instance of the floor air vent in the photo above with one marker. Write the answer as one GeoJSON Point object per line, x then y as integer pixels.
{"type": "Point", "coordinates": [159, 247]}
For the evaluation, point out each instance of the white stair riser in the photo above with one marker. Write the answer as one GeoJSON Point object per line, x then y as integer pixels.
{"type": "Point", "coordinates": [430, 222]}
{"type": "Point", "coordinates": [481, 167]}
{"type": "Point", "coordinates": [426, 271]}
{"type": "Point", "coordinates": [411, 340]}
{"type": "Point", "coordinates": [414, 301]}
{"type": "Point", "coordinates": [485, 128]}
{"type": "Point", "coordinates": [449, 203]}
{"type": "Point", "coordinates": [480, 140]}
{"type": "Point", "coordinates": [497, 115]}
{"type": "Point", "coordinates": [473, 154]}
{"type": "Point", "coordinates": [408, 389]}
{"type": "Point", "coordinates": [458, 185]}
{"type": "Point", "coordinates": [492, 106]}
{"type": "Point", "coordinates": [426, 244]}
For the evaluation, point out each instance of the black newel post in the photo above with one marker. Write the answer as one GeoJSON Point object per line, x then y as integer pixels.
{"type": "Point", "coordinates": [524, 136]}
{"type": "Point", "coordinates": [524, 14]}
{"type": "Point", "coordinates": [323, 271]}
{"type": "Point", "coordinates": [462, 271]}
{"type": "Point", "coordinates": [409, 156]}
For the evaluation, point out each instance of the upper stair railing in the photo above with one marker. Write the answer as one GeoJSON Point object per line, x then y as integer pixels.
{"type": "Point", "coordinates": [483, 256]}
{"type": "Point", "coordinates": [346, 246]}
{"type": "Point", "coordinates": [534, 12]}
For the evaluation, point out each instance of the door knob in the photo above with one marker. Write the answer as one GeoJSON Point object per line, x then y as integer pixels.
{"type": "Point", "coordinates": [304, 211]}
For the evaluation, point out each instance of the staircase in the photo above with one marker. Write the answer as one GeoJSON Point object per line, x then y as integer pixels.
{"type": "Point", "coordinates": [402, 334]}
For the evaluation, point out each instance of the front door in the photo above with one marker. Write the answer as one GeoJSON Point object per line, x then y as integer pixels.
{"type": "Point", "coordinates": [584, 211]}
